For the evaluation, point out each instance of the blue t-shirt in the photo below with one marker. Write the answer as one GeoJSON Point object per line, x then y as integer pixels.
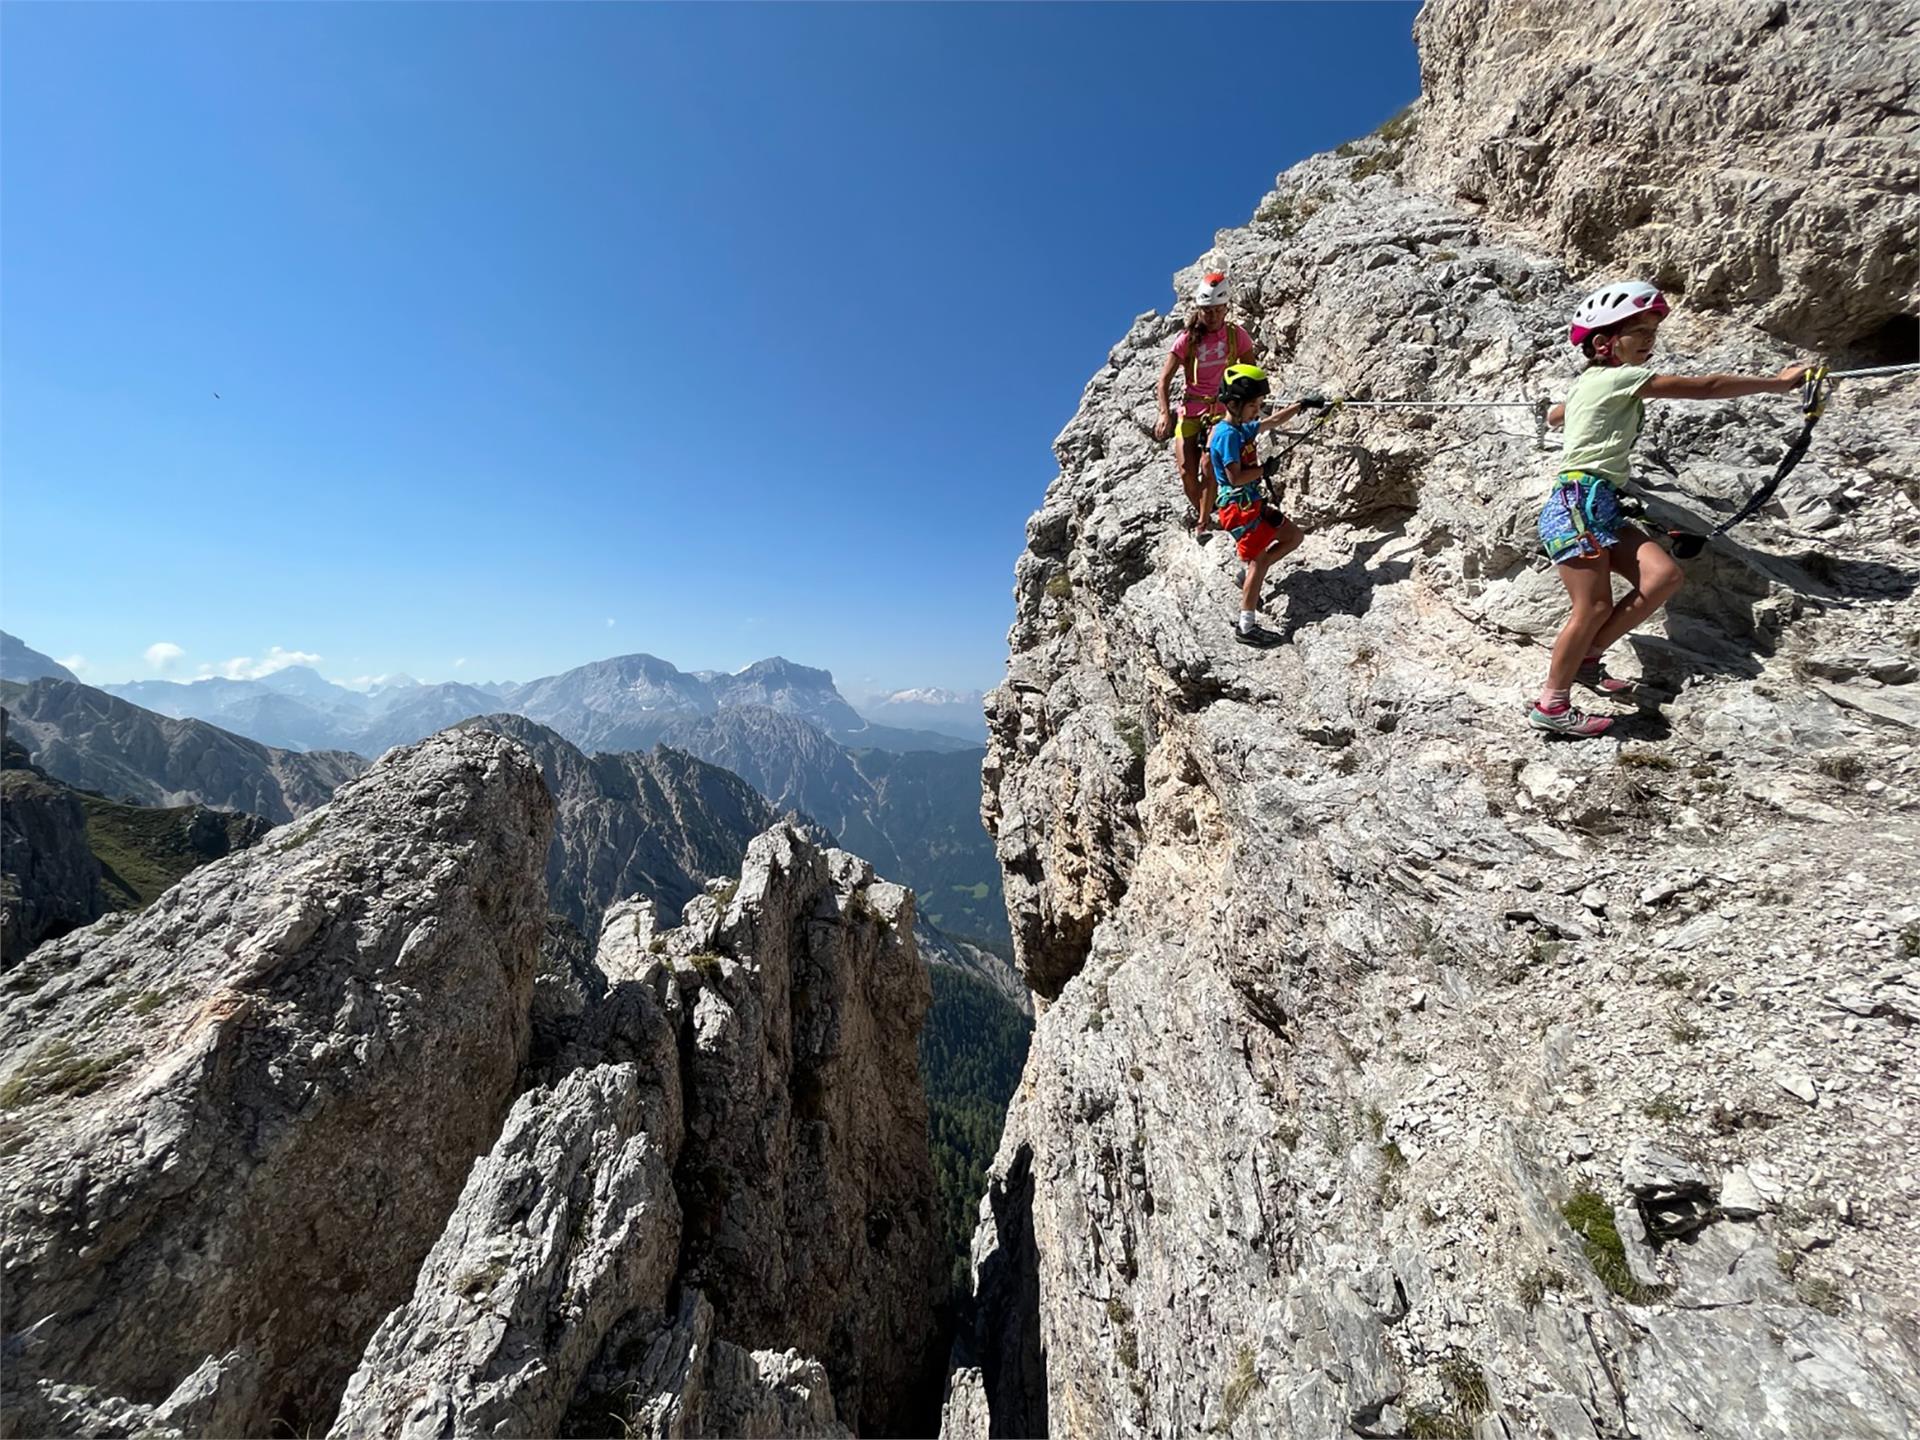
{"type": "Point", "coordinates": [1236, 444]}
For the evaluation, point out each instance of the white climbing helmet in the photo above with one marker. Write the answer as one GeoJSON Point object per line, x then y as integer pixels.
{"type": "Point", "coordinates": [1212, 289]}
{"type": "Point", "coordinates": [1610, 304]}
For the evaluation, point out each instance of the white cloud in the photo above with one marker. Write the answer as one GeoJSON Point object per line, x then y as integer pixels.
{"type": "Point", "coordinates": [461, 661]}
{"type": "Point", "coordinates": [163, 655]}
{"type": "Point", "coordinates": [75, 663]}
{"type": "Point", "coordinates": [245, 667]}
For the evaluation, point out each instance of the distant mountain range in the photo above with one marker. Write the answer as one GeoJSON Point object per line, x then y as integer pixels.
{"type": "Point", "coordinates": [111, 808]}
{"type": "Point", "coordinates": [95, 741]}
{"type": "Point", "coordinates": [906, 799]}
{"type": "Point", "coordinates": [624, 703]}
{"type": "Point", "coordinates": [959, 713]}
{"type": "Point", "coordinates": [915, 815]}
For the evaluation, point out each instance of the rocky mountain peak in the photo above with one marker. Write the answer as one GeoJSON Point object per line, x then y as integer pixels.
{"type": "Point", "coordinates": [20, 661]}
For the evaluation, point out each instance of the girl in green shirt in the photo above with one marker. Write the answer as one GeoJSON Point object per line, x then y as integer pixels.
{"type": "Point", "coordinates": [1581, 524]}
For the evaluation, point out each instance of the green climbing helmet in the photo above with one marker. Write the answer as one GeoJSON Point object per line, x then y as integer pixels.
{"type": "Point", "coordinates": [1242, 383]}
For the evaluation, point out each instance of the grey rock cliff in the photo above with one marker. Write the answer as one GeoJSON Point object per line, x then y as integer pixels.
{"type": "Point", "coordinates": [1755, 157]}
{"type": "Point", "coordinates": [1365, 1004]}
{"type": "Point", "coordinates": [214, 1130]}
{"type": "Point", "coordinates": [718, 1218]}
{"type": "Point", "coordinates": [20, 661]}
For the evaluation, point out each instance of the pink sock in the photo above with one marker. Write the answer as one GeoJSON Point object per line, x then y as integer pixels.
{"type": "Point", "coordinates": [1552, 702]}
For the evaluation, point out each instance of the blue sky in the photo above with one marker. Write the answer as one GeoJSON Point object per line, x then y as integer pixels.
{"type": "Point", "coordinates": [550, 333]}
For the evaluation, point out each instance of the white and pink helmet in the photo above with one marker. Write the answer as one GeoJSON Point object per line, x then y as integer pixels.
{"type": "Point", "coordinates": [1610, 304]}
{"type": "Point", "coordinates": [1212, 289]}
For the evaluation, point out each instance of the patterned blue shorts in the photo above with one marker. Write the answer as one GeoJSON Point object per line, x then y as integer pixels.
{"type": "Point", "coordinates": [1581, 517]}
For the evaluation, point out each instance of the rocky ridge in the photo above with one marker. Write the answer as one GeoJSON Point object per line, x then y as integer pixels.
{"type": "Point", "coordinates": [67, 857]}
{"type": "Point", "coordinates": [703, 1202]}
{"type": "Point", "coordinates": [719, 1194]}
{"type": "Point", "coordinates": [1404, 1073]}
{"type": "Point", "coordinates": [20, 661]}
{"type": "Point", "coordinates": [207, 1106]}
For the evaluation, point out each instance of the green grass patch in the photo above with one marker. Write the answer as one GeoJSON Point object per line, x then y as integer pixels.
{"type": "Point", "coordinates": [1663, 1107]}
{"type": "Point", "coordinates": [1844, 768]}
{"type": "Point", "coordinates": [1592, 1220]}
{"type": "Point", "coordinates": [1466, 1385]}
{"type": "Point", "coordinates": [1242, 1380]}
{"type": "Point", "coordinates": [1059, 587]}
{"type": "Point", "coordinates": [1436, 1422]}
{"type": "Point", "coordinates": [1639, 757]}
{"type": "Point", "coordinates": [1820, 1293]}
{"type": "Point", "coordinates": [148, 1001]}
{"type": "Point", "coordinates": [58, 1068]}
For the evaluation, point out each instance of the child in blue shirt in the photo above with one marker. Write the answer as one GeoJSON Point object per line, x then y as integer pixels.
{"type": "Point", "coordinates": [1262, 534]}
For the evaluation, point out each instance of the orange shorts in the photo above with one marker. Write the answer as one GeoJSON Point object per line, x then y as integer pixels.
{"type": "Point", "coordinates": [1254, 528]}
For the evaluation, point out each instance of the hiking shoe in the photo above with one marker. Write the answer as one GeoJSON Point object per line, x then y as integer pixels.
{"type": "Point", "coordinates": [1259, 638]}
{"type": "Point", "coordinates": [1203, 536]}
{"type": "Point", "coordinates": [1569, 722]}
{"type": "Point", "coordinates": [1594, 676]}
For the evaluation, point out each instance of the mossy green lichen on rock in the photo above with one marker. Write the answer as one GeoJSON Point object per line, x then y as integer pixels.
{"type": "Point", "coordinates": [1592, 1220]}
{"type": "Point", "coordinates": [59, 1067]}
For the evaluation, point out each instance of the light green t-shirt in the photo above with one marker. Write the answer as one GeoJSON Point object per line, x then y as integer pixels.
{"type": "Point", "coordinates": [1604, 414]}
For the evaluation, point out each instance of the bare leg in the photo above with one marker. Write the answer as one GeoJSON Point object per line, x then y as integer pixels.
{"type": "Point", "coordinates": [1586, 578]}
{"type": "Point", "coordinates": [1187, 456]}
{"type": "Point", "coordinates": [1654, 577]}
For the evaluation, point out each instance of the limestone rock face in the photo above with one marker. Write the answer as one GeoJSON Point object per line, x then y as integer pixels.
{"type": "Point", "coordinates": [805, 1176]}
{"type": "Point", "coordinates": [568, 1223]}
{"type": "Point", "coordinates": [1360, 994]}
{"type": "Point", "coordinates": [690, 1382]}
{"type": "Point", "coordinates": [243, 1115]}
{"type": "Point", "coordinates": [714, 1215]}
{"type": "Point", "coordinates": [1753, 157]}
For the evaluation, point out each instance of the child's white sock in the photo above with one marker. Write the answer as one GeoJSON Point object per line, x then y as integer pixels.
{"type": "Point", "coordinates": [1246, 621]}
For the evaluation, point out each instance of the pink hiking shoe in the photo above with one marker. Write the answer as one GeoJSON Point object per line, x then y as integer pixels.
{"type": "Point", "coordinates": [1570, 722]}
{"type": "Point", "coordinates": [1594, 676]}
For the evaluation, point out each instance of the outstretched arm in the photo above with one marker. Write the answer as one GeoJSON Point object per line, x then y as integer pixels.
{"type": "Point", "coordinates": [1722, 387]}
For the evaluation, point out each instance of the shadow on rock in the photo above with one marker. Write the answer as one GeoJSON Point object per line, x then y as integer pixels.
{"type": "Point", "coordinates": [1314, 595]}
